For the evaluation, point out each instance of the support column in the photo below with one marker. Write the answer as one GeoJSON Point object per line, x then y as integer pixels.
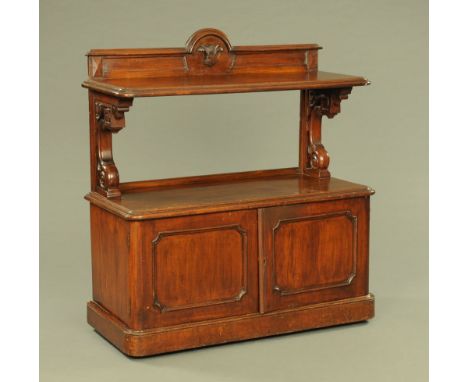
{"type": "Point", "coordinates": [107, 118]}
{"type": "Point", "coordinates": [313, 157]}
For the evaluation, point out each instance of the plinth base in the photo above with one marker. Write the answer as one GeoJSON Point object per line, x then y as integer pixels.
{"type": "Point", "coordinates": [205, 333]}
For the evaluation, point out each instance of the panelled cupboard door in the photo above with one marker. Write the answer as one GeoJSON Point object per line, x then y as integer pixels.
{"type": "Point", "coordinates": [199, 267]}
{"type": "Point", "coordinates": [314, 252]}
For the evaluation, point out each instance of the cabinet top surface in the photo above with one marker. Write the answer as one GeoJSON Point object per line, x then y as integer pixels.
{"type": "Point", "coordinates": [213, 193]}
{"type": "Point", "coordinates": [209, 64]}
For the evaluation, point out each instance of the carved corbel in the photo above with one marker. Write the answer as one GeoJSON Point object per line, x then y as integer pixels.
{"type": "Point", "coordinates": [110, 119]}
{"type": "Point", "coordinates": [328, 101]}
{"type": "Point", "coordinates": [321, 102]}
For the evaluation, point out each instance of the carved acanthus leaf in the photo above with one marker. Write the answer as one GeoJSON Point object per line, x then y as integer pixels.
{"type": "Point", "coordinates": [111, 117]}
{"type": "Point", "coordinates": [327, 101]}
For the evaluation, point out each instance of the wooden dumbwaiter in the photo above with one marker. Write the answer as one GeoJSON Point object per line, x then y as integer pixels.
{"type": "Point", "coordinates": [189, 262]}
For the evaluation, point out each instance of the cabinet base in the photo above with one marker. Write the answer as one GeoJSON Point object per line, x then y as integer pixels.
{"type": "Point", "coordinates": [140, 343]}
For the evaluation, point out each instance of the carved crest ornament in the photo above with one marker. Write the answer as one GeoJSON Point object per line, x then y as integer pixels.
{"type": "Point", "coordinates": [210, 53]}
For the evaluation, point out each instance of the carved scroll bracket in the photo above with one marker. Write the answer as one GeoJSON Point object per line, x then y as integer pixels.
{"type": "Point", "coordinates": [110, 119]}
{"type": "Point", "coordinates": [321, 102]}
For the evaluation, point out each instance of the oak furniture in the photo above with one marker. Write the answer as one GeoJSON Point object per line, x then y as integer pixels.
{"type": "Point", "coordinates": [189, 262]}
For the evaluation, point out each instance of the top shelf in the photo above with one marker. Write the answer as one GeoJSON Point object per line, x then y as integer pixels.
{"type": "Point", "coordinates": [209, 64]}
{"type": "Point", "coordinates": [217, 84]}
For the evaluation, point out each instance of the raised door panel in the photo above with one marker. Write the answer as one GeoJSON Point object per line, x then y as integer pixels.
{"type": "Point", "coordinates": [219, 256]}
{"type": "Point", "coordinates": [314, 253]}
{"type": "Point", "coordinates": [199, 267]}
